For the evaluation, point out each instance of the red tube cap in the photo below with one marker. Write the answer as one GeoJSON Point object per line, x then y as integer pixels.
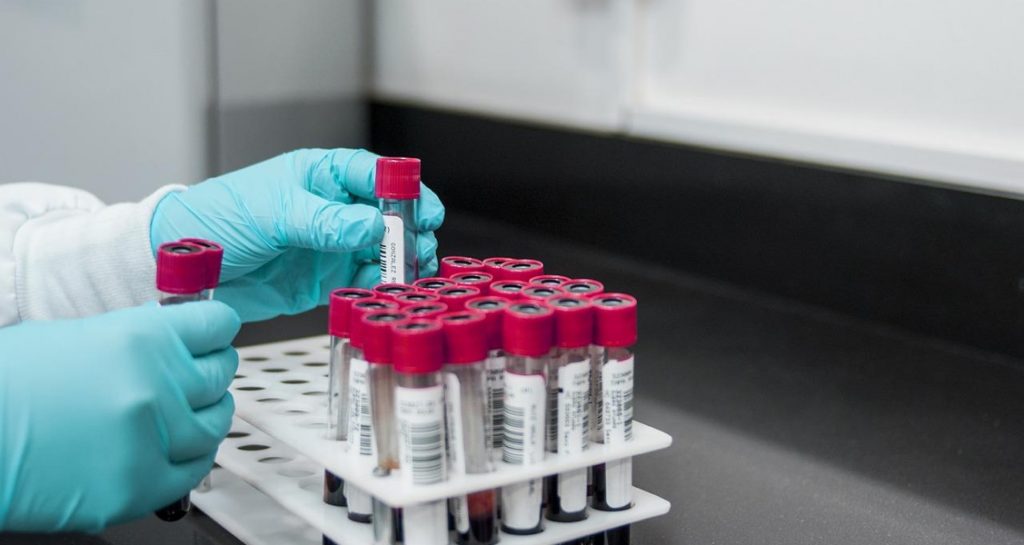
{"type": "Point", "coordinates": [398, 178]}
{"type": "Point", "coordinates": [549, 280]}
{"type": "Point", "coordinates": [511, 290]}
{"type": "Point", "coordinates": [583, 286]}
{"type": "Point", "coordinates": [574, 321]}
{"type": "Point", "coordinates": [492, 265]}
{"type": "Point", "coordinates": [417, 346]}
{"type": "Point", "coordinates": [416, 298]}
{"type": "Point", "coordinates": [433, 283]}
{"type": "Point", "coordinates": [456, 296]}
{"type": "Point", "coordinates": [541, 293]}
{"type": "Point", "coordinates": [614, 319]}
{"type": "Point", "coordinates": [493, 308]}
{"type": "Point", "coordinates": [465, 336]}
{"type": "Point", "coordinates": [214, 259]}
{"type": "Point", "coordinates": [479, 280]}
{"type": "Point", "coordinates": [181, 268]}
{"type": "Point", "coordinates": [376, 333]}
{"type": "Point", "coordinates": [362, 308]}
{"type": "Point", "coordinates": [455, 264]}
{"type": "Point", "coordinates": [390, 290]}
{"type": "Point", "coordinates": [521, 269]}
{"type": "Point", "coordinates": [341, 308]}
{"type": "Point", "coordinates": [425, 310]}
{"type": "Point", "coordinates": [527, 328]}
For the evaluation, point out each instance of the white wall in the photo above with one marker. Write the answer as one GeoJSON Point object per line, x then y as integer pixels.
{"type": "Point", "coordinates": [107, 95]}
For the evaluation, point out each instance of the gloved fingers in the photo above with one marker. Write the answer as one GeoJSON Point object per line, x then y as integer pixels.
{"type": "Point", "coordinates": [314, 223]}
{"type": "Point", "coordinates": [429, 268]}
{"type": "Point", "coordinates": [204, 326]}
{"type": "Point", "coordinates": [199, 433]}
{"type": "Point", "coordinates": [366, 276]}
{"type": "Point", "coordinates": [340, 174]}
{"type": "Point", "coordinates": [183, 476]}
{"type": "Point", "coordinates": [430, 210]}
{"type": "Point", "coordinates": [426, 251]}
{"type": "Point", "coordinates": [210, 377]}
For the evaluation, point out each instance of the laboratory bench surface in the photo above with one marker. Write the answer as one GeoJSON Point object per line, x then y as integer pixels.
{"type": "Point", "coordinates": [792, 425]}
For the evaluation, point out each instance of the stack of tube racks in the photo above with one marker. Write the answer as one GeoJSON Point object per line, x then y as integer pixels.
{"type": "Point", "coordinates": [281, 446]}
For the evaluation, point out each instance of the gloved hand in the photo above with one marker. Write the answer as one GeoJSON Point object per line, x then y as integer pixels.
{"type": "Point", "coordinates": [108, 418]}
{"type": "Point", "coordinates": [293, 228]}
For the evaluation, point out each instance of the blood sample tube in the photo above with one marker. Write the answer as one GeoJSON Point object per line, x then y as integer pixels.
{"type": "Point", "coordinates": [492, 265]}
{"type": "Point", "coordinates": [615, 332]}
{"type": "Point", "coordinates": [527, 329]}
{"type": "Point", "coordinates": [479, 280]}
{"type": "Point", "coordinates": [455, 264]}
{"type": "Point", "coordinates": [214, 260]}
{"type": "Point", "coordinates": [398, 188]}
{"type": "Point", "coordinates": [337, 380]}
{"type": "Point", "coordinates": [521, 269]}
{"type": "Point", "coordinates": [583, 286]}
{"type": "Point", "coordinates": [568, 407]}
{"type": "Point", "coordinates": [493, 308]}
{"type": "Point", "coordinates": [181, 277]}
{"type": "Point", "coordinates": [416, 298]}
{"type": "Point", "coordinates": [550, 280]}
{"type": "Point", "coordinates": [468, 423]}
{"type": "Point", "coordinates": [361, 440]}
{"type": "Point", "coordinates": [511, 290]}
{"type": "Point", "coordinates": [417, 349]}
{"type": "Point", "coordinates": [433, 283]}
{"type": "Point", "coordinates": [456, 296]}
{"type": "Point", "coordinates": [425, 310]}
{"type": "Point", "coordinates": [390, 291]}
{"type": "Point", "coordinates": [541, 293]}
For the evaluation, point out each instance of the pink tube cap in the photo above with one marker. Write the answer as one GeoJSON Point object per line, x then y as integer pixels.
{"type": "Point", "coordinates": [583, 286]}
{"type": "Point", "coordinates": [455, 264]}
{"type": "Point", "coordinates": [416, 298]}
{"type": "Point", "coordinates": [340, 309]}
{"type": "Point", "coordinates": [614, 319]}
{"type": "Point", "coordinates": [574, 321]}
{"type": "Point", "coordinates": [456, 296]}
{"type": "Point", "coordinates": [541, 293]}
{"type": "Point", "coordinates": [493, 308]}
{"type": "Point", "coordinates": [417, 346]}
{"type": "Point", "coordinates": [433, 283]}
{"type": "Point", "coordinates": [181, 268]}
{"type": "Point", "coordinates": [362, 308]}
{"type": "Point", "coordinates": [549, 280]}
{"type": "Point", "coordinates": [214, 256]}
{"type": "Point", "coordinates": [511, 290]}
{"type": "Point", "coordinates": [465, 336]}
{"type": "Point", "coordinates": [376, 333]}
{"type": "Point", "coordinates": [527, 329]}
{"type": "Point", "coordinates": [425, 310]}
{"type": "Point", "coordinates": [390, 290]}
{"type": "Point", "coordinates": [397, 178]}
{"type": "Point", "coordinates": [521, 269]}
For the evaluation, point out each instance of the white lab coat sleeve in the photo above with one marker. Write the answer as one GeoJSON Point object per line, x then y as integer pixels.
{"type": "Point", "coordinates": [64, 254]}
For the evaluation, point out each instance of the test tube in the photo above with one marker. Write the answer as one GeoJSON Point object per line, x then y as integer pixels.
{"type": "Point", "coordinates": [426, 310]}
{"type": "Point", "coordinates": [455, 264]}
{"type": "Point", "coordinates": [568, 405]}
{"type": "Point", "coordinates": [479, 280]}
{"type": "Point", "coordinates": [492, 265]}
{"type": "Point", "coordinates": [527, 329]}
{"type": "Point", "coordinates": [536, 292]}
{"type": "Point", "coordinates": [417, 349]}
{"type": "Point", "coordinates": [433, 283]}
{"type": "Point", "coordinates": [214, 259]}
{"type": "Point", "coordinates": [615, 332]}
{"type": "Point", "coordinates": [340, 308]}
{"type": "Point", "coordinates": [456, 296]}
{"type": "Point", "coordinates": [390, 291]}
{"type": "Point", "coordinates": [493, 308]}
{"type": "Point", "coordinates": [398, 188]}
{"type": "Point", "coordinates": [416, 298]}
{"type": "Point", "coordinates": [550, 280]}
{"type": "Point", "coordinates": [361, 440]}
{"type": "Point", "coordinates": [583, 286]}
{"type": "Point", "coordinates": [468, 423]}
{"type": "Point", "coordinates": [511, 290]}
{"type": "Point", "coordinates": [521, 269]}
{"type": "Point", "coordinates": [181, 277]}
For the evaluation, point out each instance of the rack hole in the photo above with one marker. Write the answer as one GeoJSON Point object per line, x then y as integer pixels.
{"type": "Point", "coordinates": [237, 434]}
{"type": "Point", "coordinates": [253, 447]}
{"type": "Point", "coordinates": [274, 370]}
{"type": "Point", "coordinates": [315, 393]}
{"type": "Point", "coordinates": [269, 400]}
{"type": "Point", "coordinates": [239, 376]}
{"type": "Point", "coordinates": [255, 358]}
{"type": "Point", "coordinates": [294, 381]}
{"type": "Point", "coordinates": [315, 364]}
{"type": "Point", "coordinates": [274, 460]}
{"type": "Point", "coordinates": [296, 353]}
{"type": "Point", "coordinates": [249, 388]}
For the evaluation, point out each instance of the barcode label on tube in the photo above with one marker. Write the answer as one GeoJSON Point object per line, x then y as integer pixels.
{"type": "Point", "coordinates": [496, 399]}
{"type": "Point", "coordinates": [573, 421]}
{"type": "Point", "coordinates": [421, 433]}
{"type": "Point", "coordinates": [617, 394]}
{"type": "Point", "coordinates": [360, 425]}
{"type": "Point", "coordinates": [392, 251]}
{"type": "Point", "coordinates": [525, 399]}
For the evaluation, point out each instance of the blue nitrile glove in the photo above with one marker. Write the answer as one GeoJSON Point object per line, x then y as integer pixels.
{"type": "Point", "coordinates": [293, 228]}
{"type": "Point", "coordinates": [108, 418]}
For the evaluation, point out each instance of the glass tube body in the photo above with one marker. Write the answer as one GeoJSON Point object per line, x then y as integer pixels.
{"type": "Point", "coordinates": [469, 450]}
{"type": "Point", "coordinates": [419, 409]}
{"type": "Point", "coordinates": [568, 431]}
{"type": "Point", "coordinates": [360, 433]}
{"type": "Point", "coordinates": [613, 481]}
{"type": "Point", "coordinates": [398, 258]}
{"type": "Point", "coordinates": [496, 399]}
{"type": "Point", "coordinates": [523, 442]}
{"type": "Point", "coordinates": [337, 413]}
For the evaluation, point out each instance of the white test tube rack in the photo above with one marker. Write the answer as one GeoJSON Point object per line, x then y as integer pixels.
{"type": "Point", "coordinates": [278, 450]}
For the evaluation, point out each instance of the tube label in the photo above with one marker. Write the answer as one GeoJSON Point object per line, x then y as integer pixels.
{"type": "Point", "coordinates": [496, 400]}
{"type": "Point", "coordinates": [596, 406]}
{"type": "Point", "coordinates": [392, 251]}
{"type": "Point", "coordinates": [617, 399]}
{"type": "Point", "coordinates": [421, 433]}
{"type": "Point", "coordinates": [360, 426]}
{"type": "Point", "coordinates": [523, 444]}
{"type": "Point", "coordinates": [456, 447]}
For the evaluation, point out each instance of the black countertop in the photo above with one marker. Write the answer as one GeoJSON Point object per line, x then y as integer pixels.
{"type": "Point", "coordinates": [791, 425]}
